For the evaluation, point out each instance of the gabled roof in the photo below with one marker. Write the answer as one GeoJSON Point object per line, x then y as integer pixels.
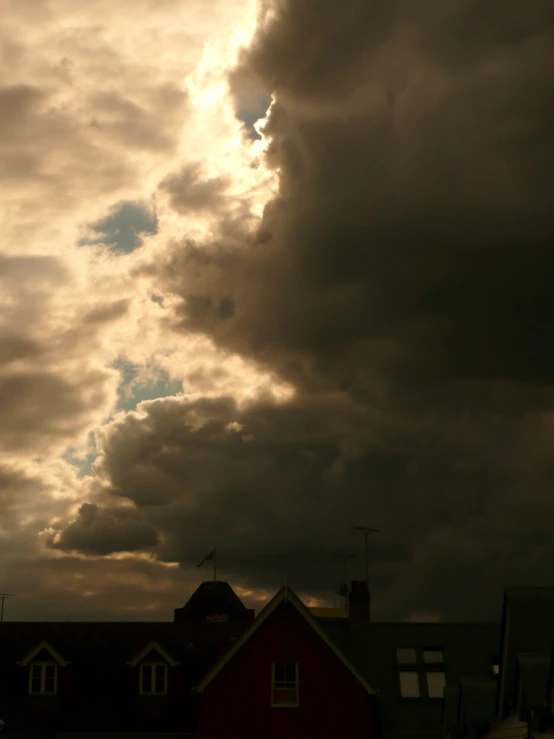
{"type": "Point", "coordinates": [43, 646]}
{"type": "Point", "coordinates": [285, 594]}
{"type": "Point", "coordinates": [153, 645]}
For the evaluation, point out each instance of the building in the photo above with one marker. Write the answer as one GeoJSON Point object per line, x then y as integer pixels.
{"type": "Point", "coordinates": [63, 679]}
{"type": "Point", "coordinates": [285, 677]}
{"type": "Point", "coordinates": [219, 671]}
{"type": "Point", "coordinates": [521, 702]}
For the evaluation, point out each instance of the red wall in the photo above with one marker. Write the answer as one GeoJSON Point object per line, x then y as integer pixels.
{"type": "Point", "coordinates": [332, 703]}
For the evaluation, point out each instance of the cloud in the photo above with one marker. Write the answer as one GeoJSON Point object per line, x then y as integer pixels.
{"type": "Point", "coordinates": [278, 487]}
{"type": "Point", "coordinates": [407, 269]}
{"type": "Point", "coordinates": [98, 531]}
{"type": "Point", "coordinates": [349, 316]}
{"type": "Point", "coordinates": [409, 239]}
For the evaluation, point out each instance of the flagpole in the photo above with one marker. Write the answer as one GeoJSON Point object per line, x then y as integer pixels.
{"type": "Point", "coordinates": [215, 561]}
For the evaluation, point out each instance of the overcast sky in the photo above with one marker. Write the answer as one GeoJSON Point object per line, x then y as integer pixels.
{"type": "Point", "coordinates": [267, 270]}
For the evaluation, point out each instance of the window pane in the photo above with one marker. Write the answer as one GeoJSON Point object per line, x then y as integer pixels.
{"type": "Point", "coordinates": [435, 684]}
{"type": "Point", "coordinates": [36, 682]}
{"type": "Point", "coordinates": [432, 656]}
{"type": "Point", "coordinates": [409, 685]}
{"type": "Point", "coordinates": [279, 672]}
{"type": "Point", "coordinates": [36, 671]}
{"type": "Point", "coordinates": [50, 671]}
{"type": "Point", "coordinates": [495, 670]}
{"type": "Point", "coordinates": [49, 685]}
{"type": "Point", "coordinates": [290, 672]}
{"type": "Point", "coordinates": [160, 679]}
{"type": "Point", "coordinates": [146, 679]}
{"type": "Point", "coordinates": [406, 656]}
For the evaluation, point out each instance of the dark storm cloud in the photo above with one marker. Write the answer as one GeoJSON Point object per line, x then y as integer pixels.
{"type": "Point", "coordinates": [414, 226]}
{"type": "Point", "coordinates": [98, 531]}
{"type": "Point", "coordinates": [401, 281]}
{"type": "Point", "coordinates": [406, 263]}
{"type": "Point", "coordinates": [278, 487]}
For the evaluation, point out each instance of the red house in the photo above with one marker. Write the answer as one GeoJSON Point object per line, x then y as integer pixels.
{"type": "Point", "coordinates": [284, 678]}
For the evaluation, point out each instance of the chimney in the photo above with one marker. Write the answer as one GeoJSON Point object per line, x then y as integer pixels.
{"type": "Point", "coordinates": [359, 600]}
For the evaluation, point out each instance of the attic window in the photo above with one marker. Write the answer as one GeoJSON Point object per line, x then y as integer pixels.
{"type": "Point", "coordinates": [43, 678]}
{"type": "Point", "coordinates": [153, 678]}
{"type": "Point", "coordinates": [409, 684]}
{"type": "Point", "coordinates": [432, 656]}
{"type": "Point", "coordinates": [436, 683]}
{"type": "Point", "coordinates": [284, 684]}
{"type": "Point", "coordinates": [406, 656]}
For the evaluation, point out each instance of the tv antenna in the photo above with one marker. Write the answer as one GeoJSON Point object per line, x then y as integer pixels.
{"type": "Point", "coordinates": [365, 531]}
{"type": "Point", "coordinates": [3, 596]}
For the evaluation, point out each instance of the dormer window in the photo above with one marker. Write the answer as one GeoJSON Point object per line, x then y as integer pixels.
{"type": "Point", "coordinates": [153, 678]}
{"type": "Point", "coordinates": [43, 662]}
{"type": "Point", "coordinates": [43, 678]}
{"type": "Point", "coordinates": [153, 661]}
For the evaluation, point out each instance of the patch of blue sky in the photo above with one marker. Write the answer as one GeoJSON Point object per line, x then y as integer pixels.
{"type": "Point", "coordinates": [131, 393]}
{"type": "Point", "coordinates": [82, 462]}
{"type": "Point", "coordinates": [122, 228]}
{"type": "Point", "coordinates": [252, 113]}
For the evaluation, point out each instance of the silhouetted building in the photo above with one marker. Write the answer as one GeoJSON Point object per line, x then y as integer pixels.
{"type": "Point", "coordinates": [217, 670]}
{"type": "Point", "coordinates": [214, 601]}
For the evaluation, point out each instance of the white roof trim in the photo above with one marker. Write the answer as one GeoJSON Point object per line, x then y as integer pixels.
{"type": "Point", "coordinates": [49, 648]}
{"type": "Point", "coordinates": [148, 648]}
{"type": "Point", "coordinates": [285, 594]}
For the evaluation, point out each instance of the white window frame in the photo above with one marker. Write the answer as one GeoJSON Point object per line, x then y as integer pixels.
{"type": "Point", "coordinates": [43, 666]}
{"type": "Point", "coordinates": [285, 686]}
{"type": "Point", "coordinates": [153, 666]}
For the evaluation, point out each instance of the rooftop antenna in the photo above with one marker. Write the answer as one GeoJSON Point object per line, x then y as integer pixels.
{"type": "Point", "coordinates": [344, 589]}
{"type": "Point", "coordinates": [3, 596]}
{"type": "Point", "coordinates": [365, 531]}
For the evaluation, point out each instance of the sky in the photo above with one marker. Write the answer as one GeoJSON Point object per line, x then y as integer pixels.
{"type": "Point", "coordinates": [268, 270]}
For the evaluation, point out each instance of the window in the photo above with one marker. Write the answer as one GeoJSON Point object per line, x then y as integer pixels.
{"type": "Point", "coordinates": [284, 690]}
{"type": "Point", "coordinates": [432, 656]}
{"type": "Point", "coordinates": [406, 656]}
{"type": "Point", "coordinates": [43, 678]}
{"type": "Point", "coordinates": [409, 685]}
{"type": "Point", "coordinates": [495, 670]}
{"type": "Point", "coordinates": [421, 672]}
{"type": "Point", "coordinates": [153, 678]}
{"type": "Point", "coordinates": [436, 682]}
